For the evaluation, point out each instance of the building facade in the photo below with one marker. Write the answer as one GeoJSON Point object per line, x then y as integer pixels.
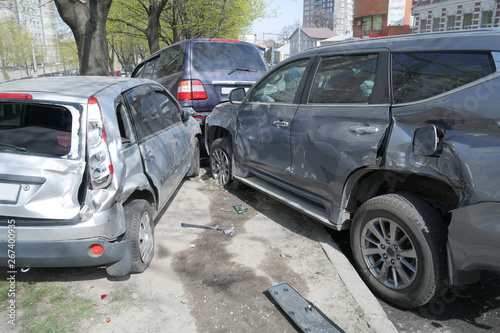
{"type": "Point", "coordinates": [334, 14]}
{"type": "Point", "coordinates": [315, 8]}
{"type": "Point", "coordinates": [39, 21]}
{"type": "Point", "coordinates": [374, 18]}
{"type": "Point", "coordinates": [306, 38]}
{"type": "Point", "coordinates": [343, 14]}
{"type": "Point", "coordinates": [446, 15]}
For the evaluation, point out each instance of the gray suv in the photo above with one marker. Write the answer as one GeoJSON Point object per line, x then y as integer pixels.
{"type": "Point", "coordinates": [86, 164]}
{"type": "Point", "coordinates": [396, 139]}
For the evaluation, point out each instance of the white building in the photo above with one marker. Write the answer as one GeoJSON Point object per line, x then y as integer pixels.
{"type": "Point", "coordinates": [445, 15]}
{"type": "Point", "coordinates": [39, 19]}
{"type": "Point", "coordinates": [343, 17]}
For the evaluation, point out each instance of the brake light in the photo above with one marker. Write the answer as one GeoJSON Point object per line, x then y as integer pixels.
{"type": "Point", "coordinates": [190, 90]}
{"type": "Point", "coordinates": [224, 40]}
{"type": "Point", "coordinates": [16, 96]}
{"type": "Point", "coordinates": [101, 168]}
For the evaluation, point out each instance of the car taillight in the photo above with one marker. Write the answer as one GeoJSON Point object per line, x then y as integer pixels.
{"type": "Point", "coordinates": [101, 168]}
{"type": "Point", "coordinates": [190, 90]}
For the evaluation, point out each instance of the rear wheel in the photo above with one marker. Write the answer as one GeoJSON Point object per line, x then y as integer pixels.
{"type": "Point", "coordinates": [399, 245]}
{"type": "Point", "coordinates": [221, 154]}
{"type": "Point", "coordinates": [140, 231]}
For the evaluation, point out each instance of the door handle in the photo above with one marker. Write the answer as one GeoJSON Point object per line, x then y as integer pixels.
{"type": "Point", "coordinates": [364, 129]}
{"type": "Point", "coordinates": [149, 154]}
{"type": "Point", "coordinates": [281, 124]}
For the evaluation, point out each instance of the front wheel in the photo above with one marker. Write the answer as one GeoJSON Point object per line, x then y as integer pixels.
{"type": "Point", "coordinates": [140, 231]}
{"type": "Point", "coordinates": [399, 246]}
{"type": "Point", "coordinates": [221, 154]}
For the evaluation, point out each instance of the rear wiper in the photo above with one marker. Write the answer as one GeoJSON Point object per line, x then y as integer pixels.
{"type": "Point", "coordinates": [241, 70]}
{"type": "Point", "coordinates": [12, 146]}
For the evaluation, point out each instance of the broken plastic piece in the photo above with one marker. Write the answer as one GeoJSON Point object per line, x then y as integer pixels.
{"type": "Point", "coordinates": [303, 313]}
{"type": "Point", "coordinates": [227, 231]}
{"type": "Point", "coordinates": [239, 208]}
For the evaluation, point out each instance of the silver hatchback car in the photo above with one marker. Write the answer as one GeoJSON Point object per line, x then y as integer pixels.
{"type": "Point", "coordinates": [86, 164]}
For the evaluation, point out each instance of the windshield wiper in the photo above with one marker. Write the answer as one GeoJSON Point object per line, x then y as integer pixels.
{"type": "Point", "coordinates": [241, 70]}
{"type": "Point", "coordinates": [12, 146]}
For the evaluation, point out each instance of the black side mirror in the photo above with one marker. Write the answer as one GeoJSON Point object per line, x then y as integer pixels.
{"type": "Point", "coordinates": [185, 115]}
{"type": "Point", "coordinates": [237, 96]}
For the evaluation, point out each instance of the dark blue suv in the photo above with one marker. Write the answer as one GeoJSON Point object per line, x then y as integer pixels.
{"type": "Point", "coordinates": [202, 72]}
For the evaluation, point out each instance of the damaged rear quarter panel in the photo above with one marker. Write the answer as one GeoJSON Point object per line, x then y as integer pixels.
{"type": "Point", "coordinates": [469, 120]}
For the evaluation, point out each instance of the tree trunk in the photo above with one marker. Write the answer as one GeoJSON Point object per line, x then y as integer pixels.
{"type": "Point", "coordinates": [87, 20]}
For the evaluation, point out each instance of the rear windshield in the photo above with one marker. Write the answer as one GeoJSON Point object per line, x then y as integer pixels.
{"type": "Point", "coordinates": [228, 56]}
{"type": "Point", "coordinates": [37, 129]}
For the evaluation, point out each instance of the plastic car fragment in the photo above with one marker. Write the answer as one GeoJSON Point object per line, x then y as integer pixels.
{"type": "Point", "coordinates": [303, 313]}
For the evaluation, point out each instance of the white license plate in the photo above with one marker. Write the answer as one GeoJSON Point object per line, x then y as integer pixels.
{"type": "Point", "coordinates": [227, 90]}
{"type": "Point", "coordinates": [9, 192]}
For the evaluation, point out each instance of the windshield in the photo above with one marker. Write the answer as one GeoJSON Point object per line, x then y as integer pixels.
{"type": "Point", "coordinates": [226, 56]}
{"type": "Point", "coordinates": [37, 129]}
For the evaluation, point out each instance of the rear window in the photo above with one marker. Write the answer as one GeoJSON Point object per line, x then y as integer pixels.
{"type": "Point", "coordinates": [227, 56]}
{"type": "Point", "coordinates": [418, 76]}
{"type": "Point", "coordinates": [37, 129]}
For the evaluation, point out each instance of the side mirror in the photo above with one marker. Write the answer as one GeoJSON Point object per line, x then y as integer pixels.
{"type": "Point", "coordinates": [237, 96]}
{"type": "Point", "coordinates": [185, 115]}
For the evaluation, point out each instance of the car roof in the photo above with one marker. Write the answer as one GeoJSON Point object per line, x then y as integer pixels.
{"type": "Point", "coordinates": [75, 86]}
{"type": "Point", "coordinates": [478, 39]}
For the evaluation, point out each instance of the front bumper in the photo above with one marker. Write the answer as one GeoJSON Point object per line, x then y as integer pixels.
{"type": "Point", "coordinates": [474, 242]}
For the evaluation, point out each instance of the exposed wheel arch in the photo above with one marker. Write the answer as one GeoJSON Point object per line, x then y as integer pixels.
{"type": "Point", "coordinates": [366, 184]}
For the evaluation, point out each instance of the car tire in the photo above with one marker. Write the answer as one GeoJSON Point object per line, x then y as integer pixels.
{"type": "Point", "coordinates": [221, 162]}
{"type": "Point", "coordinates": [140, 231]}
{"type": "Point", "coordinates": [194, 170]}
{"type": "Point", "coordinates": [399, 247]}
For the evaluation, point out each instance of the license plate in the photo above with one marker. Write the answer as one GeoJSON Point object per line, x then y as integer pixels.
{"type": "Point", "coordinates": [227, 90]}
{"type": "Point", "coordinates": [9, 193]}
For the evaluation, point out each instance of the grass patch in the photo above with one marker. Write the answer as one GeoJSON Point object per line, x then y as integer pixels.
{"type": "Point", "coordinates": [47, 307]}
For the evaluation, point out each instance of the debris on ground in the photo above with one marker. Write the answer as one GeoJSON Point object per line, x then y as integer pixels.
{"type": "Point", "coordinates": [239, 208]}
{"type": "Point", "coordinates": [226, 231]}
{"type": "Point", "coordinates": [304, 314]}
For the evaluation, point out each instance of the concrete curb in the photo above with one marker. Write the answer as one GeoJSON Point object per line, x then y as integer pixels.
{"type": "Point", "coordinates": [375, 315]}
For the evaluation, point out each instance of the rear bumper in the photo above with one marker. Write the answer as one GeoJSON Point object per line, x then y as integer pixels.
{"type": "Point", "coordinates": [474, 242]}
{"type": "Point", "coordinates": [71, 253]}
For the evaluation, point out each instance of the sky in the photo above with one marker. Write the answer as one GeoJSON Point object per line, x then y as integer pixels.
{"type": "Point", "coordinates": [288, 12]}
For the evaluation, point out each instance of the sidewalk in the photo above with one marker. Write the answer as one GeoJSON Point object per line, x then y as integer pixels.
{"type": "Point", "coordinates": [206, 281]}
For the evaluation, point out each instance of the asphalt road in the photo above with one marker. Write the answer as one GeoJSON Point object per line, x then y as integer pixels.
{"type": "Point", "coordinates": [469, 309]}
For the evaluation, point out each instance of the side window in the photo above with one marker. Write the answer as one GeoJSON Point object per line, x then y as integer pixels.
{"type": "Point", "coordinates": [344, 79]}
{"type": "Point", "coordinates": [417, 76]}
{"type": "Point", "coordinates": [170, 62]}
{"type": "Point", "coordinates": [282, 85]}
{"type": "Point", "coordinates": [144, 111]}
{"type": "Point", "coordinates": [168, 108]}
{"type": "Point", "coordinates": [148, 69]}
{"type": "Point", "coordinates": [124, 125]}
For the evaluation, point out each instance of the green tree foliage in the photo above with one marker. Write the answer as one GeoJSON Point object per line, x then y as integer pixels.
{"type": "Point", "coordinates": [163, 22]}
{"type": "Point", "coordinates": [17, 46]}
{"type": "Point", "coordinates": [209, 19]}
